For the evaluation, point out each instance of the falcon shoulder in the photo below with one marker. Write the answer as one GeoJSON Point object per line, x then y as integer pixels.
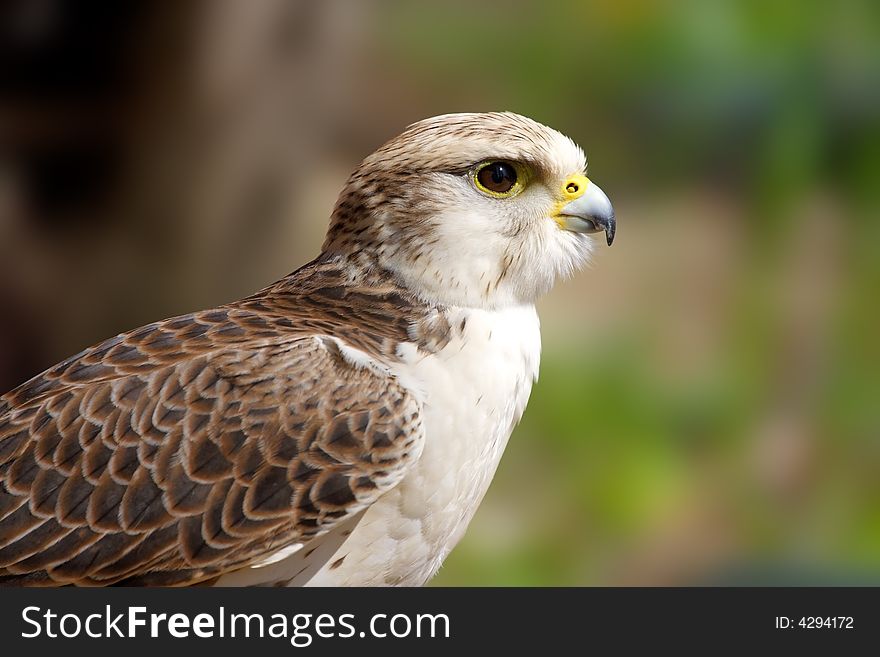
{"type": "Point", "coordinates": [193, 447]}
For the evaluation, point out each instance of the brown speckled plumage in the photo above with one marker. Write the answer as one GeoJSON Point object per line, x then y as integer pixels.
{"type": "Point", "coordinates": [189, 447]}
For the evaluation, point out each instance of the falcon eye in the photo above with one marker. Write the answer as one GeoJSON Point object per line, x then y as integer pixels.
{"type": "Point", "coordinates": [496, 178]}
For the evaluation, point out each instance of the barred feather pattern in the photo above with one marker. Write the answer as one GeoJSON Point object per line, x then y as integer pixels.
{"type": "Point", "coordinates": [195, 446]}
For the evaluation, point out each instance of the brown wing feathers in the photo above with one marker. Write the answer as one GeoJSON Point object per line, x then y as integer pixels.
{"type": "Point", "coordinates": [191, 447]}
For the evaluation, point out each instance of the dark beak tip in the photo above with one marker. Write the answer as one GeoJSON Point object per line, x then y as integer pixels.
{"type": "Point", "coordinates": [609, 225]}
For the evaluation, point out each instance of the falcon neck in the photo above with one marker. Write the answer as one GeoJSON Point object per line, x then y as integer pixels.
{"type": "Point", "coordinates": [424, 283]}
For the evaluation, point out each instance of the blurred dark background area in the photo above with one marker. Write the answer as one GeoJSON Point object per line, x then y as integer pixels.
{"type": "Point", "coordinates": [709, 403]}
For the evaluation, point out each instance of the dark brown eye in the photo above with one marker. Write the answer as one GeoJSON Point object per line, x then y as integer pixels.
{"type": "Point", "coordinates": [497, 177]}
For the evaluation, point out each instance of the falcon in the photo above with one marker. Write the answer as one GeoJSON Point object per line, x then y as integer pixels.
{"type": "Point", "coordinates": [339, 427]}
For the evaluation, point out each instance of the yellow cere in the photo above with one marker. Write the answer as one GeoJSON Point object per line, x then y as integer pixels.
{"type": "Point", "coordinates": [573, 187]}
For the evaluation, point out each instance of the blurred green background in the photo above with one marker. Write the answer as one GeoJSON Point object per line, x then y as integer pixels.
{"type": "Point", "coordinates": [709, 403]}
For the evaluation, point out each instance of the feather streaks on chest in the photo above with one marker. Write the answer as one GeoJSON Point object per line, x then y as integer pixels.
{"type": "Point", "coordinates": [478, 385]}
{"type": "Point", "coordinates": [473, 392]}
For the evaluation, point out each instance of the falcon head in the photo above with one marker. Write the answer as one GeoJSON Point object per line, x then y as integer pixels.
{"type": "Point", "coordinates": [483, 210]}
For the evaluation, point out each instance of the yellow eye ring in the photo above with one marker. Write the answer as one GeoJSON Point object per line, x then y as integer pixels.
{"type": "Point", "coordinates": [499, 178]}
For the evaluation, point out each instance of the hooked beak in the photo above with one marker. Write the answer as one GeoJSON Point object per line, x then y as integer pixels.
{"type": "Point", "coordinates": [589, 213]}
